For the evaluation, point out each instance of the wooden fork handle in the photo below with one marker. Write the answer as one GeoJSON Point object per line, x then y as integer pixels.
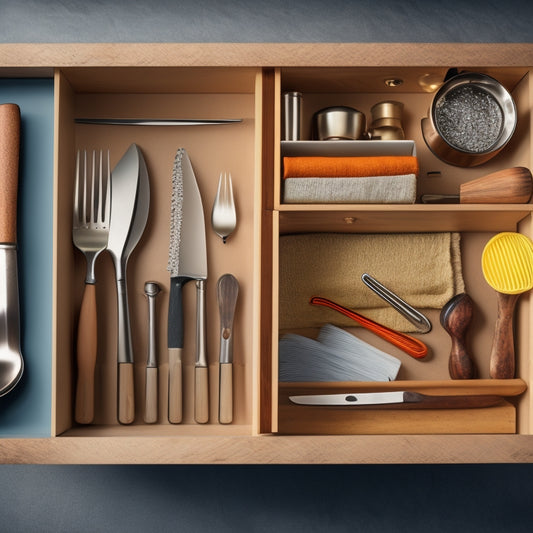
{"type": "Point", "coordinates": [86, 356]}
{"type": "Point", "coordinates": [9, 168]}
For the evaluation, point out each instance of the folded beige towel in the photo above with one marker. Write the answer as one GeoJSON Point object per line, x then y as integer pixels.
{"type": "Point", "coordinates": [370, 190]}
{"type": "Point", "coordinates": [422, 268]}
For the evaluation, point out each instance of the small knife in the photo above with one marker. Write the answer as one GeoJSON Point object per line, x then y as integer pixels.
{"type": "Point", "coordinates": [187, 261]}
{"type": "Point", "coordinates": [398, 400]}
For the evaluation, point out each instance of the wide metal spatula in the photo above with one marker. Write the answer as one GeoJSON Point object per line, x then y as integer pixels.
{"type": "Point", "coordinates": [11, 362]}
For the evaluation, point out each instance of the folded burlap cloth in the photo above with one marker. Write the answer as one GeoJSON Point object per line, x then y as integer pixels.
{"type": "Point", "coordinates": [424, 269]}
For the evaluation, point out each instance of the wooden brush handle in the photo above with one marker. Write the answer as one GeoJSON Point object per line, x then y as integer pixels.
{"type": "Point", "coordinates": [502, 357]}
{"type": "Point", "coordinates": [9, 169]}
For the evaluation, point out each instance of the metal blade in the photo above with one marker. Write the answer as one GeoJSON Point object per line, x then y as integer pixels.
{"type": "Point", "coordinates": [366, 398]}
{"type": "Point", "coordinates": [155, 121]}
{"type": "Point", "coordinates": [125, 185]}
{"type": "Point", "coordinates": [188, 251]}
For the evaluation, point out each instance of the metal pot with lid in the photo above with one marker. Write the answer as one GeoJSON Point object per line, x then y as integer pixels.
{"type": "Point", "coordinates": [472, 117]}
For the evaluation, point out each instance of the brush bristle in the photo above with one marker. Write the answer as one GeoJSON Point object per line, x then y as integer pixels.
{"type": "Point", "coordinates": [176, 214]}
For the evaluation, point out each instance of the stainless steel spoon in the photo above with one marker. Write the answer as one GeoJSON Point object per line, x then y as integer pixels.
{"type": "Point", "coordinates": [223, 215]}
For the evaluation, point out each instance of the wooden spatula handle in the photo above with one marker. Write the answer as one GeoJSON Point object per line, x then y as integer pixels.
{"type": "Point", "coordinates": [9, 168]}
{"type": "Point", "coordinates": [502, 357]}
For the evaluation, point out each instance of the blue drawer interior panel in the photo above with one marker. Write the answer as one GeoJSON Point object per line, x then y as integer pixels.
{"type": "Point", "coordinates": [26, 410]}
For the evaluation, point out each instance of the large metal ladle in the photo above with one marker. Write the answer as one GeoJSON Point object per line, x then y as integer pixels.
{"type": "Point", "coordinates": [11, 362]}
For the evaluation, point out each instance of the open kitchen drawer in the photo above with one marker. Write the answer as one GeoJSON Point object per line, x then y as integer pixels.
{"type": "Point", "coordinates": [246, 82]}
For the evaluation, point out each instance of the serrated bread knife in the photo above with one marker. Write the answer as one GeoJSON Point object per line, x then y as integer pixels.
{"type": "Point", "coordinates": [398, 400]}
{"type": "Point", "coordinates": [130, 203]}
{"type": "Point", "coordinates": [187, 260]}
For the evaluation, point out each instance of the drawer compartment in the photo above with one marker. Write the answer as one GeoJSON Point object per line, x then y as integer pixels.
{"type": "Point", "coordinates": [429, 375]}
{"type": "Point", "coordinates": [191, 94]}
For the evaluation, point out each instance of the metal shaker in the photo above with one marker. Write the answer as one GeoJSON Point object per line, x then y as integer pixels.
{"type": "Point", "coordinates": [292, 116]}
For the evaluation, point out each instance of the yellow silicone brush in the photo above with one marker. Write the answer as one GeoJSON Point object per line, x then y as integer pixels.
{"type": "Point", "coordinates": [507, 263]}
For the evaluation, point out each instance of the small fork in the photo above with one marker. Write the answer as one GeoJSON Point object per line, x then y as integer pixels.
{"type": "Point", "coordinates": [90, 231]}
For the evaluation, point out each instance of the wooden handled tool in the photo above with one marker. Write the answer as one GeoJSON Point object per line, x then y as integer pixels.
{"type": "Point", "coordinates": [507, 263]}
{"type": "Point", "coordinates": [508, 186]}
{"type": "Point", "coordinates": [455, 318]}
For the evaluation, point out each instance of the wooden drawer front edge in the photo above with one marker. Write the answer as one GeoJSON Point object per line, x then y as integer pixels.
{"type": "Point", "coordinates": [264, 54]}
{"type": "Point", "coordinates": [367, 449]}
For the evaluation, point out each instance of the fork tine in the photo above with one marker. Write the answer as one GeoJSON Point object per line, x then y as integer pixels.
{"type": "Point", "coordinates": [83, 200]}
{"type": "Point", "coordinates": [93, 206]}
{"type": "Point", "coordinates": [76, 210]}
{"type": "Point", "coordinates": [107, 208]}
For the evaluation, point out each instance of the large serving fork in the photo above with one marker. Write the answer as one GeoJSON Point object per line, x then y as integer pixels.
{"type": "Point", "coordinates": [90, 230]}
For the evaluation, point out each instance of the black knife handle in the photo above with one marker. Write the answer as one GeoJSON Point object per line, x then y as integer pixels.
{"type": "Point", "coordinates": [175, 312]}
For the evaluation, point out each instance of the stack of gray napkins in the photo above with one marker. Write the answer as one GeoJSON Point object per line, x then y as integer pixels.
{"type": "Point", "coordinates": [336, 355]}
{"type": "Point", "coordinates": [365, 190]}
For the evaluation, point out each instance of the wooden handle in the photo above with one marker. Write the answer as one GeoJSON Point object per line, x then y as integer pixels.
{"type": "Point", "coordinates": [175, 386]}
{"type": "Point", "coordinates": [126, 403]}
{"type": "Point", "coordinates": [150, 402]}
{"type": "Point", "coordinates": [9, 169]}
{"type": "Point", "coordinates": [455, 318]}
{"type": "Point", "coordinates": [201, 394]}
{"type": "Point", "coordinates": [415, 400]}
{"type": "Point", "coordinates": [506, 186]}
{"type": "Point", "coordinates": [502, 357]}
{"type": "Point", "coordinates": [460, 364]}
{"type": "Point", "coordinates": [86, 356]}
{"type": "Point", "coordinates": [225, 406]}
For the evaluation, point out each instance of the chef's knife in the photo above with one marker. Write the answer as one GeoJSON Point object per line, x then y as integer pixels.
{"type": "Point", "coordinates": [187, 260]}
{"type": "Point", "coordinates": [398, 400]}
{"type": "Point", "coordinates": [130, 203]}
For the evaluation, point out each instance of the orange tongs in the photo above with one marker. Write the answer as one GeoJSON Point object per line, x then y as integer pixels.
{"type": "Point", "coordinates": [406, 343]}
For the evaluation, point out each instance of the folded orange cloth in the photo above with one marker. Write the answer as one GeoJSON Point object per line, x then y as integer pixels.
{"type": "Point", "coordinates": [353, 167]}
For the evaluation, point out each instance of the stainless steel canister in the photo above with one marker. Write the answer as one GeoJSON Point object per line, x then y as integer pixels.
{"type": "Point", "coordinates": [292, 122]}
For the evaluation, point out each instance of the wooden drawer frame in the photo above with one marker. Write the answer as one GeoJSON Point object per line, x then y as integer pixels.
{"type": "Point", "coordinates": [255, 441]}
